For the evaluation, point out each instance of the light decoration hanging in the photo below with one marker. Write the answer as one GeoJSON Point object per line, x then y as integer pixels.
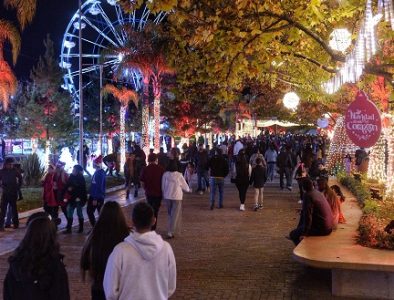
{"type": "Point", "coordinates": [377, 160]}
{"type": "Point", "coordinates": [340, 146]}
{"type": "Point", "coordinates": [340, 40]}
{"type": "Point", "coordinates": [291, 101]}
{"type": "Point", "coordinates": [145, 129]}
{"type": "Point", "coordinates": [365, 47]}
{"type": "Point", "coordinates": [122, 136]}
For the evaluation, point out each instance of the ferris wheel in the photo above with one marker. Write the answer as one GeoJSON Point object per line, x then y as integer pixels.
{"type": "Point", "coordinates": [102, 27]}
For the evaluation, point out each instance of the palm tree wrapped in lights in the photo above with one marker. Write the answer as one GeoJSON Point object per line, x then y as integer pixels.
{"type": "Point", "coordinates": [124, 96]}
{"type": "Point", "coordinates": [8, 81]}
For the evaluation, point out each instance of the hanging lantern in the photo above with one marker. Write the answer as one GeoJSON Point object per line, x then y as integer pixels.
{"type": "Point", "coordinates": [291, 100]}
{"type": "Point", "coordinates": [340, 39]}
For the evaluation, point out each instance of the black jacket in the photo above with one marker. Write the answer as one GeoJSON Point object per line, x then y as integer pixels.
{"type": "Point", "coordinates": [76, 187]}
{"type": "Point", "coordinates": [52, 285]}
{"type": "Point", "coordinates": [11, 180]}
{"type": "Point", "coordinates": [218, 166]}
{"type": "Point", "coordinates": [258, 177]}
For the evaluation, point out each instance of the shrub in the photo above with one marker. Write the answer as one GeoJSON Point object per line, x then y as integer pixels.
{"type": "Point", "coordinates": [33, 171]}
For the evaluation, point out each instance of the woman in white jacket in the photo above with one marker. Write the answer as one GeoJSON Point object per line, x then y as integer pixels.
{"type": "Point", "coordinates": [173, 184]}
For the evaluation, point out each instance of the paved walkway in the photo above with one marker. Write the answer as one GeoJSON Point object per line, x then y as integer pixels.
{"type": "Point", "coordinates": [225, 253]}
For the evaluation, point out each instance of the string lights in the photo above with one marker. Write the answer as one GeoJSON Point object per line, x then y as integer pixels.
{"type": "Point", "coordinates": [340, 146]}
{"type": "Point", "coordinates": [365, 47]}
{"type": "Point", "coordinates": [156, 115]}
{"type": "Point", "coordinates": [145, 128]}
{"type": "Point", "coordinates": [377, 160]}
{"type": "Point", "coordinates": [122, 134]}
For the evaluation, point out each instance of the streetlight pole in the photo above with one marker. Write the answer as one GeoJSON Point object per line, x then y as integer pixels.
{"type": "Point", "coordinates": [101, 110]}
{"type": "Point", "coordinates": [80, 87]}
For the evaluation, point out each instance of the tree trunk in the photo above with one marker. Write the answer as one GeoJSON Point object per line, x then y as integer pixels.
{"type": "Point", "coordinates": [156, 112]}
{"type": "Point", "coordinates": [145, 115]}
{"type": "Point", "coordinates": [123, 109]}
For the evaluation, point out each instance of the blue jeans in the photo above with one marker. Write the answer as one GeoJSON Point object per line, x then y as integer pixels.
{"type": "Point", "coordinates": [71, 207]}
{"type": "Point", "coordinates": [200, 176]}
{"type": "Point", "coordinates": [270, 171]}
{"type": "Point", "coordinates": [216, 182]}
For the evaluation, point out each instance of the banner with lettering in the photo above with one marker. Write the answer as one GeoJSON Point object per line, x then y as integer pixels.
{"type": "Point", "coordinates": [363, 121]}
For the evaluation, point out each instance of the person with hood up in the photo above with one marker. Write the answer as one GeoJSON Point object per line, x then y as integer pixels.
{"type": "Point", "coordinates": [143, 265]}
{"type": "Point", "coordinates": [97, 190]}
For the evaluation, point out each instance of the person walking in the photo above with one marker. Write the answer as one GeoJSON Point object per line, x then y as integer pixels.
{"type": "Point", "coordinates": [258, 178]}
{"type": "Point", "coordinates": [286, 165]}
{"type": "Point", "coordinates": [11, 181]}
{"type": "Point", "coordinates": [129, 173]}
{"type": "Point", "coordinates": [60, 179]}
{"type": "Point", "coordinates": [97, 190]}
{"type": "Point", "coordinates": [76, 187]}
{"type": "Point", "coordinates": [151, 178]}
{"type": "Point", "coordinates": [139, 164]}
{"type": "Point", "coordinates": [110, 230]}
{"type": "Point", "coordinates": [270, 156]}
{"type": "Point", "coordinates": [48, 196]}
{"type": "Point", "coordinates": [142, 266]}
{"type": "Point", "coordinates": [219, 169]}
{"type": "Point", "coordinates": [242, 177]}
{"type": "Point", "coordinates": [201, 163]}
{"type": "Point", "coordinates": [36, 269]}
{"type": "Point", "coordinates": [173, 184]}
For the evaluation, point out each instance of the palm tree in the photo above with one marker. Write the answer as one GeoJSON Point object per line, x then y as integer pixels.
{"type": "Point", "coordinates": [124, 96]}
{"type": "Point", "coordinates": [25, 10]}
{"type": "Point", "coordinates": [159, 68]}
{"type": "Point", "coordinates": [8, 81]}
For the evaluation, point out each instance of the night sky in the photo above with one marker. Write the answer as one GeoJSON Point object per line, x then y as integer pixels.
{"type": "Point", "coordinates": [52, 17]}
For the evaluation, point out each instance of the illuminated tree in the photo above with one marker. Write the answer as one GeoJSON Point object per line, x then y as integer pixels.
{"type": "Point", "coordinates": [8, 82]}
{"type": "Point", "coordinates": [25, 10]}
{"type": "Point", "coordinates": [124, 96]}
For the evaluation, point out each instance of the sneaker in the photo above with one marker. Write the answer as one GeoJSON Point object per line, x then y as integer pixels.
{"type": "Point", "coordinates": [201, 192]}
{"type": "Point", "coordinates": [170, 236]}
{"type": "Point", "coordinates": [289, 188]}
{"type": "Point", "coordinates": [299, 202]}
{"type": "Point", "coordinates": [256, 207]}
{"type": "Point", "coordinates": [261, 206]}
{"type": "Point", "coordinates": [242, 207]}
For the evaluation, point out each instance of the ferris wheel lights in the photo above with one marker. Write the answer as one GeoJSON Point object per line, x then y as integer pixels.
{"type": "Point", "coordinates": [64, 65]}
{"type": "Point", "coordinates": [112, 2]}
{"type": "Point", "coordinates": [69, 44]}
{"type": "Point", "coordinates": [76, 25]}
{"type": "Point", "coordinates": [94, 10]}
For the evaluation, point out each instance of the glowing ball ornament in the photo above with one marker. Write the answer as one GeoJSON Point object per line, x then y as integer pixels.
{"type": "Point", "coordinates": [291, 101]}
{"type": "Point", "coordinates": [322, 122]}
{"type": "Point", "coordinates": [340, 39]}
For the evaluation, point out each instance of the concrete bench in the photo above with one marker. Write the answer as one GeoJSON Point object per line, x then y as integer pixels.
{"type": "Point", "coordinates": [356, 271]}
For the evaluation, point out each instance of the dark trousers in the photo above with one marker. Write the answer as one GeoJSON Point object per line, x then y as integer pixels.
{"type": "Point", "coordinates": [155, 202]}
{"type": "Point", "coordinates": [242, 189]}
{"type": "Point", "coordinates": [98, 294]}
{"type": "Point", "coordinates": [91, 208]}
{"type": "Point", "coordinates": [285, 172]}
{"type": "Point", "coordinates": [9, 199]}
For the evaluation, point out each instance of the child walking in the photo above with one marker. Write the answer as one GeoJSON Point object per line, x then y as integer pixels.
{"type": "Point", "coordinates": [258, 179]}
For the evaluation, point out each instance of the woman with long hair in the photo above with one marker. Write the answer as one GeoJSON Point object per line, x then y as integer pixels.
{"type": "Point", "coordinates": [242, 178]}
{"type": "Point", "coordinates": [173, 184]}
{"type": "Point", "coordinates": [36, 266]}
{"type": "Point", "coordinates": [111, 229]}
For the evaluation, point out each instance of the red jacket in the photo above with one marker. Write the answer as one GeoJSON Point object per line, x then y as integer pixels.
{"type": "Point", "coordinates": [48, 194]}
{"type": "Point", "coordinates": [59, 186]}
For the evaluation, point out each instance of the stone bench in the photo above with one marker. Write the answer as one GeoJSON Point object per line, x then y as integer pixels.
{"type": "Point", "coordinates": [356, 271]}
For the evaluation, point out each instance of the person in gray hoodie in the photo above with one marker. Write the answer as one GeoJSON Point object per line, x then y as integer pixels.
{"type": "Point", "coordinates": [143, 265]}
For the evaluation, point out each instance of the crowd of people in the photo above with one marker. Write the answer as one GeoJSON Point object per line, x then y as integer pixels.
{"type": "Point", "coordinates": [122, 261]}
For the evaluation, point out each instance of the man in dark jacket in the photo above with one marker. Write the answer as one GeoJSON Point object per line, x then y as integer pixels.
{"type": "Point", "coordinates": [219, 170]}
{"type": "Point", "coordinates": [286, 164]}
{"type": "Point", "coordinates": [11, 181]}
{"type": "Point", "coordinates": [201, 162]}
{"type": "Point", "coordinates": [316, 215]}
{"type": "Point", "coordinates": [151, 181]}
{"type": "Point", "coordinates": [97, 190]}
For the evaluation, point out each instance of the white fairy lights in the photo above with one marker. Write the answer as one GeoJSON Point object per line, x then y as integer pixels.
{"type": "Point", "coordinates": [341, 39]}
{"type": "Point", "coordinates": [365, 47]}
